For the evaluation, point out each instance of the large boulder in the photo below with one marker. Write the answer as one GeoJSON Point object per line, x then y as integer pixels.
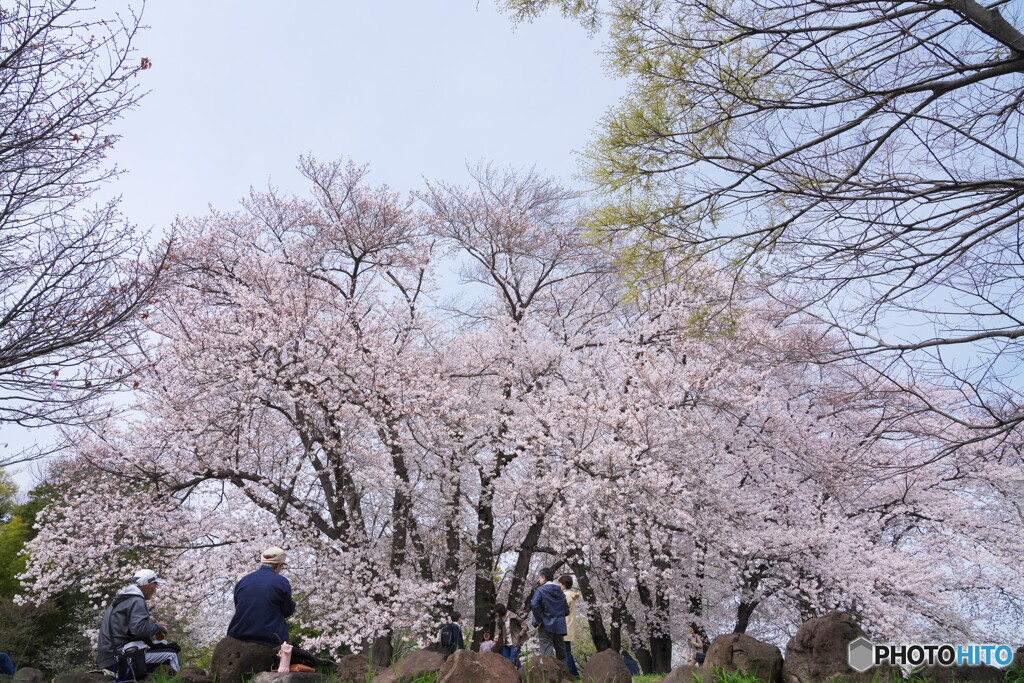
{"type": "Point", "coordinates": [972, 674]}
{"type": "Point", "coordinates": [352, 669]}
{"type": "Point", "coordinates": [84, 677]}
{"type": "Point", "coordinates": [684, 673]}
{"type": "Point", "coordinates": [297, 677]}
{"type": "Point", "coordinates": [193, 674]}
{"type": "Point", "coordinates": [29, 675]}
{"type": "Point", "coordinates": [466, 666]}
{"type": "Point", "coordinates": [819, 651]}
{"type": "Point", "coordinates": [740, 652]}
{"type": "Point", "coordinates": [544, 669]}
{"type": "Point", "coordinates": [606, 667]}
{"type": "Point", "coordinates": [236, 660]}
{"type": "Point", "coordinates": [411, 667]}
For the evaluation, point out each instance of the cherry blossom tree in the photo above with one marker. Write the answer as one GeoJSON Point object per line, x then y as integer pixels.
{"type": "Point", "coordinates": [310, 385]}
{"type": "Point", "coordinates": [292, 360]}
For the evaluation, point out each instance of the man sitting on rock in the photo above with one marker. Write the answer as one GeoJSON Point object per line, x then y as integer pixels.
{"type": "Point", "coordinates": [263, 600]}
{"type": "Point", "coordinates": [127, 625]}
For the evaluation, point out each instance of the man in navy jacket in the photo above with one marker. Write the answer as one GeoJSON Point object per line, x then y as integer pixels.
{"type": "Point", "coordinates": [550, 609]}
{"type": "Point", "coordinates": [263, 600]}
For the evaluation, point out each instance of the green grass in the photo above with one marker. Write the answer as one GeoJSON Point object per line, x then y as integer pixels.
{"type": "Point", "coordinates": [1015, 675]}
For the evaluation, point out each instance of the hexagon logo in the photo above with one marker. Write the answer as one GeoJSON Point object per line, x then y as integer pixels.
{"type": "Point", "coordinates": [862, 654]}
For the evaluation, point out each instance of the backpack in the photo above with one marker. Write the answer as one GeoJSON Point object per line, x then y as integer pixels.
{"type": "Point", "coordinates": [131, 665]}
{"type": "Point", "coordinates": [448, 635]}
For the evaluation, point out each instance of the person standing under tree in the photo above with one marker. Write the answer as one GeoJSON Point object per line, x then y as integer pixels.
{"type": "Point", "coordinates": [508, 634]}
{"type": "Point", "coordinates": [571, 596]}
{"type": "Point", "coordinates": [693, 645]}
{"type": "Point", "coordinates": [450, 636]}
{"type": "Point", "coordinates": [549, 612]}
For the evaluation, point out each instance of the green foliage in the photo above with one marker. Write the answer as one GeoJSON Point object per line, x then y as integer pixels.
{"type": "Point", "coordinates": [17, 530]}
{"type": "Point", "coordinates": [162, 676]}
{"type": "Point", "coordinates": [13, 537]}
{"type": "Point", "coordinates": [46, 636]}
{"type": "Point", "coordinates": [8, 495]}
{"type": "Point", "coordinates": [723, 676]}
{"type": "Point", "coordinates": [586, 11]}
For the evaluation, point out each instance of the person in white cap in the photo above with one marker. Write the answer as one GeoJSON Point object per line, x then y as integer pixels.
{"type": "Point", "coordinates": [127, 627]}
{"type": "Point", "coordinates": [263, 600]}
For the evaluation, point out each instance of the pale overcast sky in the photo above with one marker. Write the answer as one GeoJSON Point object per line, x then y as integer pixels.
{"type": "Point", "coordinates": [415, 88]}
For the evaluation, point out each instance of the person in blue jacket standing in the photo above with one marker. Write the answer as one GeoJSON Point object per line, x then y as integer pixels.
{"type": "Point", "coordinates": [550, 609]}
{"type": "Point", "coordinates": [263, 600]}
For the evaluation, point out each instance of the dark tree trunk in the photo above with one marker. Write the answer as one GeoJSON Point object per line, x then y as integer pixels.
{"type": "Point", "coordinates": [484, 593]}
{"type": "Point", "coordinates": [658, 651]}
{"type": "Point", "coordinates": [616, 635]}
{"type": "Point", "coordinates": [453, 548]}
{"type": "Point", "coordinates": [380, 651]}
{"type": "Point", "coordinates": [521, 574]}
{"type": "Point", "coordinates": [452, 541]}
{"type": "Point", "coordinates": [661, 654]}
{"type": "Point", "coordinates": [643, 658]}
{"type": "Point", "coordinates": [594, 619]}
{"type": "Point", "coordinates": [743, 612]}
{"type": "Point", "coordinates": [661, 644]}
{"type": "Point", "coordinates": [696, 601]}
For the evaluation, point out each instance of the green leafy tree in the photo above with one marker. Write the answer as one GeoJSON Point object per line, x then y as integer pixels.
{"type": "Point", "coordinates": [8, 495]}
{"type": "Point", "coordinates": [47, 636]}
{"type": "Point", "coordinates": [861, 158]}
{"type": "Point", "coordinates": [13, 536]}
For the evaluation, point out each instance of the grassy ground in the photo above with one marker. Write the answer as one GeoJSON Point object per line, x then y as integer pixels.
{"type": "Point", "coordinates": [1012, 676]}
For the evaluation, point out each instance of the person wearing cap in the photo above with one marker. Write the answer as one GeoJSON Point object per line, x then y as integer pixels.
{"type": "Point", "coordinates": [127, 624]}
{"type": "Point", "coordinates": [263, 600]}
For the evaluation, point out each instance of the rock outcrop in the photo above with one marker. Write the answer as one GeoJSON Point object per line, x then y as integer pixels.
{"type": "Point", "coordinates": [466, 666]}
{"type": "Point", "coordinates": [740, 652]}
{"type": "Point", "coordinates": [236, 660]}
{"type": "Point", "coordinates": [606, 667]}
{"type": "Point", "coordinates": [411, 667]}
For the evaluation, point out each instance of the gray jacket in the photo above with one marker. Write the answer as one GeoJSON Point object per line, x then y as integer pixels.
{"type": "Point", "coordinates": [126, 619]}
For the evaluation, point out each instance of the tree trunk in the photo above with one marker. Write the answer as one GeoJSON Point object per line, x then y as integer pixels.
{"type": "Point", "coordinates": [521, 573]}
{"type": "Point", "coordinates": [695, 601]}
{"type": "Point", "coordinates": [380, 651]}
{"type": "Point", "coordinates": [594, 619]}
{"type": "Point", "coordinates": [452, 541]}
{"type": "Point", "coordinates": [661, 654]}
{"type": "Point", "coordinates": [616, 635]}
{"type": "Point", "coordinates": [743, 612]}
{"type": "Point", "coordinates": [657, 605]}
{"type": "Point", "coordinates": [643, 658]}
{"type": "Point", "coordinates": [484, 594]}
